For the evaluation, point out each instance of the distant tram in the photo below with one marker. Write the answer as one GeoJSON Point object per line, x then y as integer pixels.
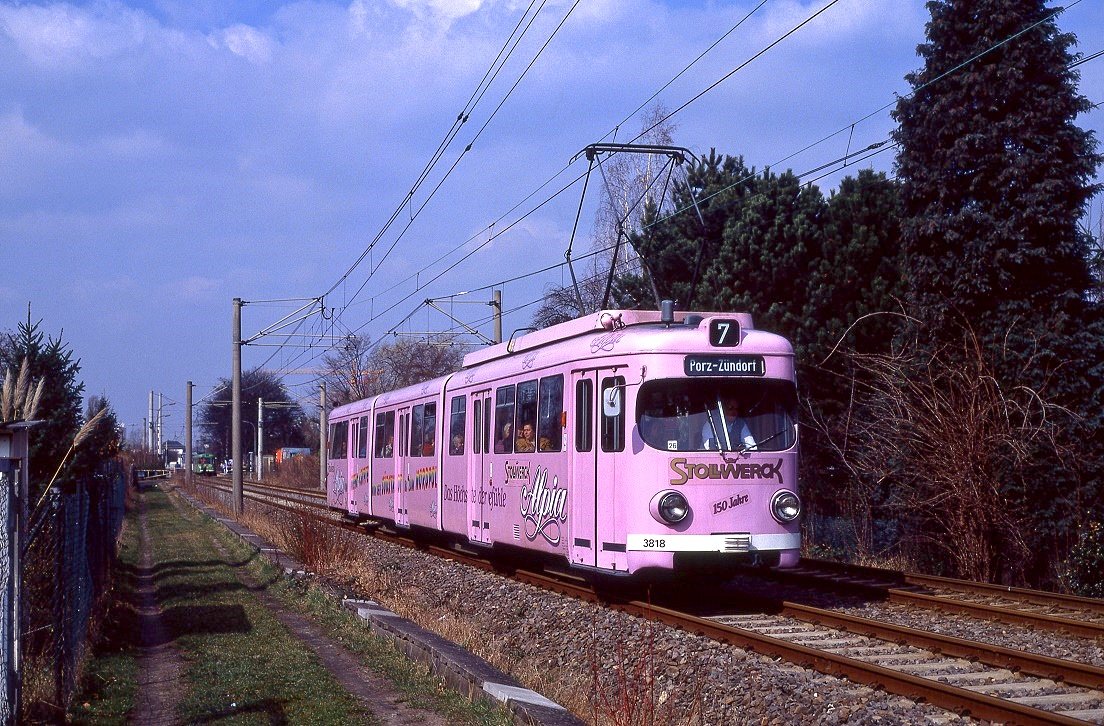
{"type": "Point", "coordinates": [203, 464]}
{"type": "Point", "coordinates": [623, 442]}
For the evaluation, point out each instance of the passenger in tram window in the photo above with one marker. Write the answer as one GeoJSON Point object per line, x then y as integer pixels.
{"type": "Point", "coordinates": [525, 441]}
{"type": "Point", "coordinates": [389, 447]}
{"type": "Point", "coordinates": [545, 444]}
{"type": "Point", "coordinates": [456, 446]}
{"type": "Point", "coordinates": [505, 445]}
{"type": "Point", "coordinates": [427, 445]}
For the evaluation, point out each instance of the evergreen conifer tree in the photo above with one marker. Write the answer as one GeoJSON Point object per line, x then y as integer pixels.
{"type": "Point", "coordinates": [995, 173]}
{"type": "Point", "coordinates": [59, 411]}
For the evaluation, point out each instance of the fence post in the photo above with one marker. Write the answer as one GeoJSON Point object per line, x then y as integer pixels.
{"type": "Point", "coordinates": [13, 458]}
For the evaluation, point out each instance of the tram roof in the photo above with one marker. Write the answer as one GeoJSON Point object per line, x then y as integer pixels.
{"type": "Point", "coordinates": [603, 320]}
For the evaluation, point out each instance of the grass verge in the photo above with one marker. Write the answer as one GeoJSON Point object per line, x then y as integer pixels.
{"type": "Point", "coordinates": [108, 685]}
{"type": "Point", "coordinates": [419, 687]}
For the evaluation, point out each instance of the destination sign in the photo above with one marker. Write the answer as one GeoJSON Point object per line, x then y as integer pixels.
{"type": "Point", "coordinates": [725, 365]}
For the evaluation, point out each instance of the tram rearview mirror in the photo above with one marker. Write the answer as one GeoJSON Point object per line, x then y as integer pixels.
{"type": "Point", "coordinates": [611, 402]}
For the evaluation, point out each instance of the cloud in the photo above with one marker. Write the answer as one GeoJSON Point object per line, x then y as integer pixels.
{"type": "Point", "coordinates": [61, 34]}
{"type": "Point", "coordinates": [443, 11]}
{"type": "Point", "coordinates": [249, 43]}
{"type": "Point", "coordinates": [195, 288]}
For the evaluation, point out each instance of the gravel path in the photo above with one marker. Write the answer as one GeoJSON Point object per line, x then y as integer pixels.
{"type": "Point", "coordinates": [160, 667]}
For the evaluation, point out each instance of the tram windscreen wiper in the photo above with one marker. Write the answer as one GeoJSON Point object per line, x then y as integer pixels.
{"type": "Point", "coordinates": [713, 425]}
{"type": "Point", "coordinates": [755, 447]}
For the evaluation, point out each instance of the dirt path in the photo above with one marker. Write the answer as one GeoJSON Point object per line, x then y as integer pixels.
{"type": "Point", "coordinates": [376, 694]}
{"type": "Point", "coordinates": [160, 667]}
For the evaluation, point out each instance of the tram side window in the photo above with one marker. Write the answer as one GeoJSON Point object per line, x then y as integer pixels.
{"type": "Point", "coordinates": [429, 429]}
{"type": "Point", "coordinates": [339, 440]}
{"type": "Point", "coordinates": [486, 426]}
{"type": "Point", "coordinates": [385, 434]}
{"type": "Point", "coordinates": [613, 425]}
{"type": "Point", "coordinates": [504, 420]}
{"type": "Point", "coordinates": [525, 428]}
{"type": "Point", "coordinates": [456, 426]}
{"type": "Point", "coordinates": [416, 415]}
{"type": "Point", "coordinates": [477, 427]}
{"type": "Point", "coordinates": [362, 444]}
{"type": "Point", "coordinates": [550, 414]}
{"type": "Point", "coordinates": [584, 415]}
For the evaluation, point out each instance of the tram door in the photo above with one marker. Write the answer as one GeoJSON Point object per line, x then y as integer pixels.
{"type": "Point", "coordinates": [598, 404]}
{"type": "Point", "coordinates": [354, 437]}
{"type": "Point", "coordinates": [480, 467]}
{"type": "Point", "coordinates": [402, 452]}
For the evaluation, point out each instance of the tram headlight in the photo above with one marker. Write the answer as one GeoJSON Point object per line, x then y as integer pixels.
{"type": "Point", "coordinates": [670, 507]}
{"type": "Point", "coordinates": [785, 506]}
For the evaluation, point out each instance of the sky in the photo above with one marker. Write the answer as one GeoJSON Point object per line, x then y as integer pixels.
{"type": "Point", "coordinates": [159, 159]}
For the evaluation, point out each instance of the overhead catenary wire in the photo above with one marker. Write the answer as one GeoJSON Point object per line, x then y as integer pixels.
{"type": "Point", "coordinates": [858, 155]}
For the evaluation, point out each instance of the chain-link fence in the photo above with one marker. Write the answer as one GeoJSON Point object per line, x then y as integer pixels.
{"type": "Point", "coordinates": [9, 586]}
{"type": "Point", "coordinates": [67, 562]}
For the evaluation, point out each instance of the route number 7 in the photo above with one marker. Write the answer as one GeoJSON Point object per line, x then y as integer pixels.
{"type": "Point", "coordinates": [724, 333]}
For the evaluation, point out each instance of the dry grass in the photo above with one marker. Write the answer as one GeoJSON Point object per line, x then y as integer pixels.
{"type": "Point", "coordinates": [620, 688]}
{"type": "Point", "coordinates": [302, 472]}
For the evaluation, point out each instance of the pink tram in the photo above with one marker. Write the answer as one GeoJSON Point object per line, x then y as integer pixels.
{"type": "Point", "coordinates": [621, 441]}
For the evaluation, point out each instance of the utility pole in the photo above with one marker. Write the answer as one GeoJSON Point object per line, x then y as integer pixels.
{"type": "Point", "coordinates": [235, 414]}
{"type": "Point", "coordinates": [323, 436]}
{"type": "Point", "coordinates": [496, 303]}
{"type": "Point", "coordinates": [160, 423]}
{"type": "Point", "coordinates": [260, 438]}
{"type": "Point", "coordinates": [188, 439]}
{"type": "Point", "coordinates": [149, 425]}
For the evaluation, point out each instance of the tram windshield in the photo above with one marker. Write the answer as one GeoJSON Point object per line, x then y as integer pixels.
{"type": "Point", "coordinates": [718, 414]}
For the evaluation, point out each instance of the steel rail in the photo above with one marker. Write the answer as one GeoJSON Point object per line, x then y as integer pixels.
{"type": "Point", "coordinates": [1005, 614]}
{"type": "Point", "coordinates": [1037, 597]}
{"type": "Point", "coordinates": [1013, 616]}
{"type": "Point", "coordinates": [1072, 672]}
{"type": "Point", "coordinates": [940, 694]}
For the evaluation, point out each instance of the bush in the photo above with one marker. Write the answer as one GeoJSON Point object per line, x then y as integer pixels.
{"type": "Point", "coordinates": [1083, 572]}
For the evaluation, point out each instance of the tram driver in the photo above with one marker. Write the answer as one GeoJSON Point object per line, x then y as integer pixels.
{"type": "Point", "coordinates": [732, 428]}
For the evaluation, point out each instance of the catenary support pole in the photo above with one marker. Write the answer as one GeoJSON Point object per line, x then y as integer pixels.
{"type": "Point", "coordinates": [496, 303]}
{"type": "Point", "coordinates": [188, 437]}
{"type": "Point", "coordinates": [323, 437]}
{"type": "Point", "coordinates": [260, 438]}
{"type": "Point", "coordinates": [235, 414]}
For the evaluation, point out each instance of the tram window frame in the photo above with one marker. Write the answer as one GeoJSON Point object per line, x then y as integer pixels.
{"type": "Point", "coordinates": [477, 426]}
{"type": "Point", "coordinates": [613, 427]}
{"type": "Point", "coordinates": [584, 415]}
{"type": "Point", "coordinates": [385, 427]}
{"type": "Point", "coordinates": [414, 440]}
{"type": "Point", "coordinates": [504, 414]}
{"type": "Point", "coordinates": [339, 440]}
{"type": "Point", "coordinates": [525, 402]}
{"type": "Point", "coordinates": [429, 430]}
{"type": "Point", "coordinates": [550, 414]}
{"type": "Point", "coordinates": [362, 444]}
{"type": "Point", "coordinates": [487, 425]}
{"type": "Point", "coordinates": [458, 416]}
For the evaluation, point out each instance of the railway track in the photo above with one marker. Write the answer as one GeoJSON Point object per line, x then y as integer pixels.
{"type": "Point", "coordinates": [988, 682]}
{"type": "Point", "coordinates": [1079, 616]}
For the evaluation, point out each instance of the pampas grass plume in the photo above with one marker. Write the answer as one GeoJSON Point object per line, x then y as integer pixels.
{"type": "Point", "coordinates": [21, 385]}
{"type": "Point", "coordinates": [6, 396]}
